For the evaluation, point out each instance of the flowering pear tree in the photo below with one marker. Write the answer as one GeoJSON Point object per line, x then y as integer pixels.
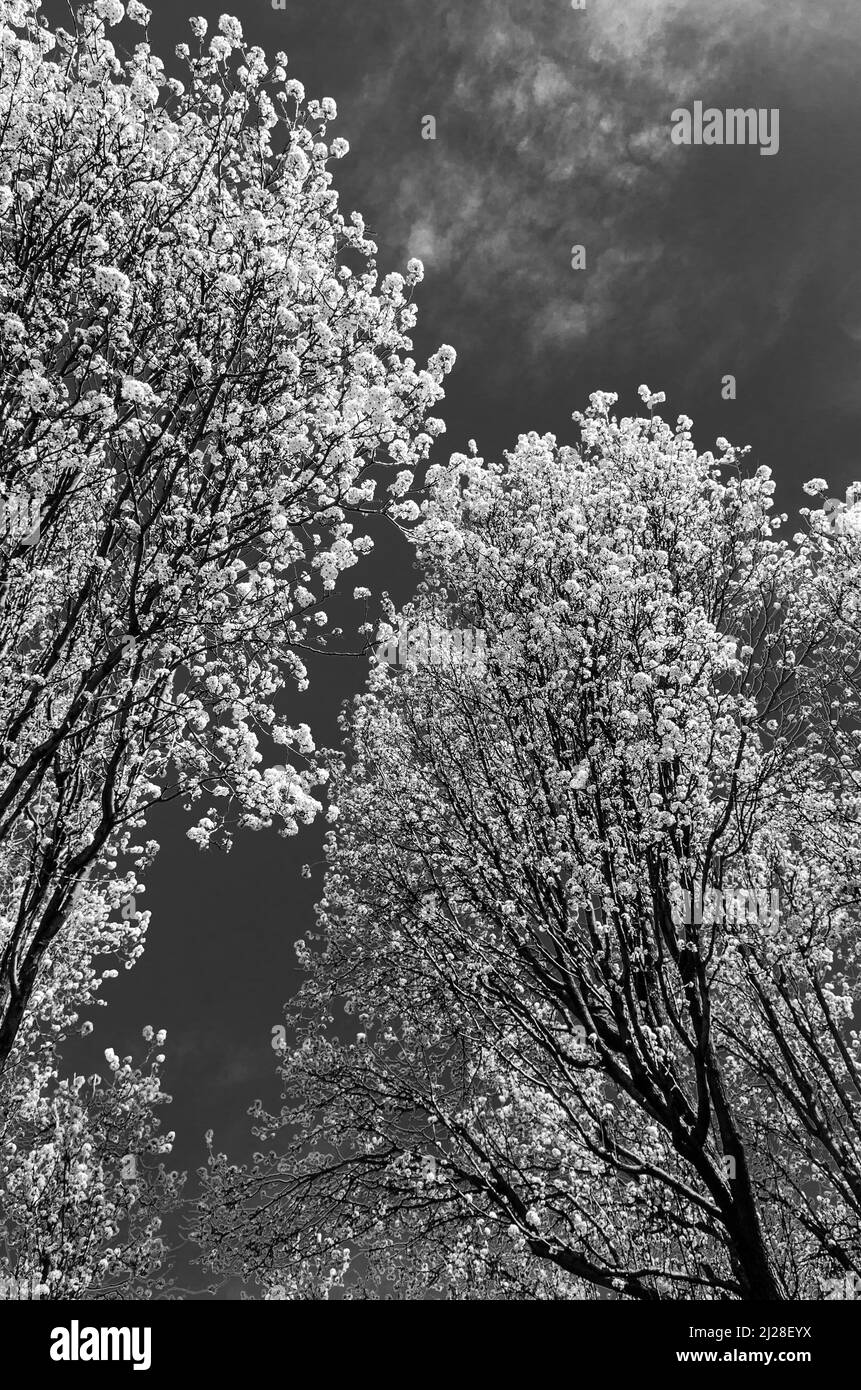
{"type": "Point", "coordinates": [202, 382]}
{"type": "Point", "coordinates": [84, 1193]}
{"type": "Point", "coordinates": [523, 1066]}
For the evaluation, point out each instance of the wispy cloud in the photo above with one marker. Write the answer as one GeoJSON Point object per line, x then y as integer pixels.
{"type": "Point", "coordinates": [553, 130]}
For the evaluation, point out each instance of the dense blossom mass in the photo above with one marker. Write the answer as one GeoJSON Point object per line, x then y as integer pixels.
{"type": "Point", "coordinates": [522, 1069]}
{"type": "Point", "coordinates": [203, 381]}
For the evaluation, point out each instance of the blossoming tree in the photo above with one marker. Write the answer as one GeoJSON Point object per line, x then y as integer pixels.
{"type": "Point", "coordinates": [87, 1204]}
{"type": "Point", "coordinates": [521, 1067]}
{"type": "Point", "coordinates": [85, 1196]}
{"type": "Point", "coordinates": [203, 380]}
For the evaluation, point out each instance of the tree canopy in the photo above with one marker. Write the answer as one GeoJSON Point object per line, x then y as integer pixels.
{"type": "Point", "coordinates": [205, 388]}
{"type": "Point", "coordinates": [201, 371]}
{"type": "Point", "coordinates": [523, 1067]}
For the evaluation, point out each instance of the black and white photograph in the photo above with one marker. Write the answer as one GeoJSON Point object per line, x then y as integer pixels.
{"type": "Point", "coordinates": [430, 676]}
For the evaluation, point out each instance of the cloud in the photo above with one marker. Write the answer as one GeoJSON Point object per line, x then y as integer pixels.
{"type": "Point", "coordinates": [553, 130]}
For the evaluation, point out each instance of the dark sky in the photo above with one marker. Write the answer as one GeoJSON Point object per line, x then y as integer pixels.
{"type": "Point", "coordinates": [553, 129]}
